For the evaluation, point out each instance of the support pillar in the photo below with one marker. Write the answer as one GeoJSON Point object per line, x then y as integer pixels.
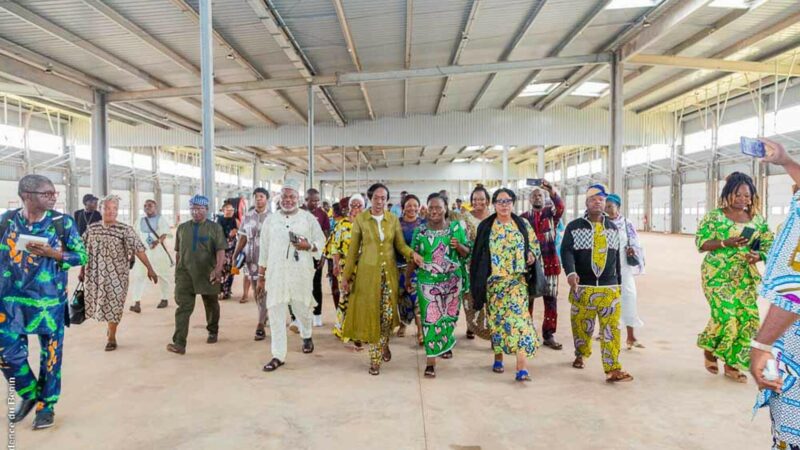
{"type": "Point", "coordinates": [310, 183]}
{"type": "Point", "coordinates": [71, 177]}
{"type": "Point", "coordinates": [505, 166]}
{"type": "Point", "coordinates": [344, 169]}
{"type": "Point", "coordinates": [157, 191]}
{"type": "Point", "coordinates": [207, 83]}
{"type": "Point", "coordinates": [100, 161]}
{"type": "Point", "coordinates": [617, 145]}
{"type": "Point", "coordinates": [540, 162]}
{"type": "Point", "coordinates": [176, 203]}
{"type": "Point", "coordinates": [134, 204]}
{"type": "Point", "coordinates": [255, 171]}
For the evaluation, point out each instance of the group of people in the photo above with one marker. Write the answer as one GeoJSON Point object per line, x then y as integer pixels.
{"type": "Point", "coordinates": [391, 269]}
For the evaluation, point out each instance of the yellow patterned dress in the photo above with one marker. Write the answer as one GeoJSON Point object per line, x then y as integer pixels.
{"type": "Point", "coordinates": [339, 244]}
{"type": "Point", "coordinates": [507, 291]}
{"type": "Point", "coordinates": [729, 284]}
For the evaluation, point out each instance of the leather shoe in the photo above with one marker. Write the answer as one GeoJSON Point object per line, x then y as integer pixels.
{"type": "Point", "coordinates": [176, 349]}
{"type": "Point", "coordinates": [24, 407]}
{"type": "Point", "coordinates": [45, 418]}
{"type": "Point", "coordinates": [162, 304]}
{"type": "Point", "coordinates": [308, 345]}
{"type": "Point", "coordinates": [212, 338]}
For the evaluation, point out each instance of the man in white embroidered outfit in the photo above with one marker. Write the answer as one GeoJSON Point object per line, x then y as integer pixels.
{"type": "Point", "coordinates": [290, 241]}
{"type": "Point", "coordinates": [153, 229]}
{"type": "Point", "coordinates": [249, 240]}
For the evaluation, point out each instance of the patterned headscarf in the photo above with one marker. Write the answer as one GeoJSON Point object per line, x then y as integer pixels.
{"type": "Point", "coordinates": [597, 189]}
{"type": "Point", "coordinates": [199, 200]}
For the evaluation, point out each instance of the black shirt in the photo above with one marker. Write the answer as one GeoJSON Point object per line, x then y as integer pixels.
{"type": "Point", "coordinates": [84, 218]}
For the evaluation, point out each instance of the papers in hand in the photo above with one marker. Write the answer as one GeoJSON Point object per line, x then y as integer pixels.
{"type": "Point", "coordinates": [24, 239]}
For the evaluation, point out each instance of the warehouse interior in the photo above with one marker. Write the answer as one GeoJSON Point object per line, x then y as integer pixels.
{"type": "Point", "coordinates": [164, 99]}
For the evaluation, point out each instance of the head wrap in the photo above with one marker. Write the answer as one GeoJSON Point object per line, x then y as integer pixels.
{"type": "Point", "coordinates": [615, 199]}
{"type": "Point", "coordinates": [357, 197]}
{"type": "Point", "coordinates": [344, 202]}
{"type": "Point", "coordinates": [596, 189]}
{"type": "Point", "coordinates": [199, 200]}
{"type": "Point", "coordinates": [292, 183]}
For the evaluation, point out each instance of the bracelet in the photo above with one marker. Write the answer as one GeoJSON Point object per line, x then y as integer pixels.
{"type": "Point", "coordinates": [758, 345]}
{"type": "Point", "coordinates": [722, 243]}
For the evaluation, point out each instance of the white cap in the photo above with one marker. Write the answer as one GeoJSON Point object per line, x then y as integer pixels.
{"type": "Point", "coordinates": [292, 183]}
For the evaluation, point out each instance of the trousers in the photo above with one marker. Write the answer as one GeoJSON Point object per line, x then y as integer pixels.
{"type": "Point", "coordinates": [277, 326]}
{"type": "Point", "coordinates": [550, 319]}
{"type": "Point", "coordinates": [603, 303]}
{"type": "Point", "coordinates": [186, 302]}
{"type": "Point", "coordinates": [140, 282]}
{"type": "Point", "coordinates": [317, 288]}
{"type": "Point", "coordinates": [14, 364]}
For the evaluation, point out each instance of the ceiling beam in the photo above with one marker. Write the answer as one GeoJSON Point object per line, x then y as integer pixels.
{"type": "Point", "coordinates": [727, 52]}
{"type": "Point", "coordinates": [67, 36]}
{"type": "Point", "coordinates": [351, 49]}
{"type": "Point", "coordinates": [20, 72]}
{"type": "Point", "coordinates": [721, 65]}
{"type": "Point", "coordinates": [223, 88]}
{"type": "Point", "coordinates": [463, 39]}
{"type": "Point", "coordinates": [123, 22]}
{"type": "Point", "coordinates": [521, 33]}
{"type": "Point", "coordinates": [565, 41]}
{"type": "Point", "coordinates": [407, 59]}
{"type": "Point", "coordinates": [677, 49]}
{"type": "Point", "coordinates": [662, 26]}
{"type": "Point", "coordinates": [280, 32]}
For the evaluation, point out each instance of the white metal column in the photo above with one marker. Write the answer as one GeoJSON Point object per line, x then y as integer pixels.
{"type": "Point", "coordinates": [100, 162]}
{"type": "Point", "coordinates": [505, 166]}
{"type": "Point", "coordinates": [310, 137]}
{"type": "Point", "coordinates": [540, 163]}
{"type": "Point", "coordinates": [617, 145]}
{"type": "Point", "coordinates": [207, 82]}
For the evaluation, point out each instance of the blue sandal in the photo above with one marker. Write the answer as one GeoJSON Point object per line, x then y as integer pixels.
{"type": "Point", "coordinates": [522, 375]}
{"type": "Point", "coordinates": [498, 367]}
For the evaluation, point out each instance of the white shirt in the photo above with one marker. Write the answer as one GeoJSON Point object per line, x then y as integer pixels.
{"type": "Point", "coordinates": [157, 256]}
{"type": "Point", "coordinates": [379, 219]}
{"type": "Point", "coordinates": [289, 279]}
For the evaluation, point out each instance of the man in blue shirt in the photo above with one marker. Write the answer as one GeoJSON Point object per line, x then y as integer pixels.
{"type": "Point", "coordinates": [33, 295]}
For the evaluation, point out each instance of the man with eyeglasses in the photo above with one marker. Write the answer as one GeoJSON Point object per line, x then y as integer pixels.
{"type": "Point", "coordinates": [88, 215]}
{"type": "Point", "coordinates": [199, 257]}
{"type": "Point", "coordinates": [38, 246]}
{"type": "Point", "coordinates": [291, 240]}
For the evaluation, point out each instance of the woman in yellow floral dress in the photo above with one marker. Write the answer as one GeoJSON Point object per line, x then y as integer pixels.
{"type": "Point", "coordinates": [340, 245]}
{"type": "Point", "coordinates": [505, 248]}
{"type": "Point", "coordinates": [730, 277]}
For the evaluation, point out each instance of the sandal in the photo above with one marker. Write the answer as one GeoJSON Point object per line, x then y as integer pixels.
{"type": "Point", "coordinates": [260, 334]}
{"type": "Point", "coordinates": [470, 335]}
{"type": "Point", "coordinates": [711, 364]}
{"type": "Point", "coordinates": [635, 344]}
{"type": "Point", "coordinates": [401, 332]}
{"type": "Point", "coordinates": [387, 354]}
{"type": "Point", "coordinates": [111, 346]}
{"type": "Point", "coordinates": [735, 375]}
{"type": "Point", "coordinates": [522, 375]}
{"type": "Point", "coordinates": [244, 300]}
{"type": "Point", "coordinates": [430, 372]}
{"type": "Point", "coordinates": [578, 363]}
{"type": "Point", "coordinates": [497, 367]}
{"type": "Point", "coordinates": [447, 355]}
{"type": "Point", "coordinates": [374, 370]}
{"type": "Point", "coordinates": [618, 377]}
{"type": "Point", "coordinates": [272, 365]}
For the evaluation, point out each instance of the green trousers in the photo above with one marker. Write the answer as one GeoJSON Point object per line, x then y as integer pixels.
{"type": "Point", "coordinates": [186, 302]}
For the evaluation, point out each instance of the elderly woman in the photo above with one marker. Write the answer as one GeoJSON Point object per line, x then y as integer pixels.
{"type": "Point", "coordinates": [111, 247]}
{"type": "Point", "coordinates": [734, 237]}
{"type": "Point", "coordinates": [230, 226]}
{"type": "Point", "coordinates": [632, 265]}
{"type": "Point", "coordinates": [441, 280]}
{"type": "Point", "coordinates": [372, 268]}
{"type": "Point", "coordinates": [407, 303]}
{"type": "Point", "coordinates": [477, 324]}
{"type": "Point", "coordinates": [340, 245]}
{"type": "Point", "coordinates": [502, 259]}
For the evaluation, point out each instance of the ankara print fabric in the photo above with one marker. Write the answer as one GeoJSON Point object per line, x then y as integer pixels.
{"type": "Point", "coordinates": [440, 285]}
{"type": "Point", "coordinates": [730, 287]}
{"type": "Point", "coordinates": [110, 249]}
{"type": "Point", "coordinates": [33, 289]}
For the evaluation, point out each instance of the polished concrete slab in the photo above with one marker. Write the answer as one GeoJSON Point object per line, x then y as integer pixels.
{"type": "Point", "coordinates": [216, 396]}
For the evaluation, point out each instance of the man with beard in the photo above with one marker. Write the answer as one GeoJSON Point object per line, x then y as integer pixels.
{"type": "Point", "coordinates": [290, 242]}
{"type": "Point", "coordinates": [544, 217]}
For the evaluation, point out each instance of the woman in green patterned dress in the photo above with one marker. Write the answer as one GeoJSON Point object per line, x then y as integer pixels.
{"type": "Point", "coordinates": [730, 277]}
{"type": "Point", "coordinates": [441, 280]}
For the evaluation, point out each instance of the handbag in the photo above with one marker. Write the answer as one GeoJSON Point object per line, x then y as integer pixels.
{"type": "Point", "coordinates": [632, 260]}
{"type": "Point", "coordinates": [77, 306]}
{"type": "Point", "coordinates": [537, 284]}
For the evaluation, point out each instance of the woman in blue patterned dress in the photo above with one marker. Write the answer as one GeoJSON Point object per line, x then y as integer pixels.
{"type": "Point", "coordinates": [407, 303]}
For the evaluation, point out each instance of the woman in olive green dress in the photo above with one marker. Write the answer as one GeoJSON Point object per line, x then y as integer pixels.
{"type": "Point", "coordinates": [730, 277]}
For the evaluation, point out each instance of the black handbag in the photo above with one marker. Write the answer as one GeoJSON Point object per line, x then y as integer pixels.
{"type": "Point", "coordinates": [77, 306]}
{"type": "Point", "coordinates": [537, 283]}
{"type": "Point", "coordinates": [632, 260]}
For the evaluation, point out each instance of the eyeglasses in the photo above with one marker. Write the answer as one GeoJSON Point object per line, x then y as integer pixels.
{"type": "Point", "coordinates": [504, 201]}
{"type": "Point", "coordinates": [50, 194]}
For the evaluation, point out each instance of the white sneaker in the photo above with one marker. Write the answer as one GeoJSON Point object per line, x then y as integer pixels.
{"type": "Point", "coordinates": [318, 320]}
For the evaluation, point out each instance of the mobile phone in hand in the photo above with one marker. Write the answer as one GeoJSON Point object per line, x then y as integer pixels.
{"type": "Point", "coordinates": [748, 232]}
{"type": "Point", "coordinates": [752, 147]}
{"type": "Point", "coordinates": [535, 181]}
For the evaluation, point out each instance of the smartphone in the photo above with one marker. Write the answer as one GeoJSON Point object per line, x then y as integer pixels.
{"type": "Point", "coordinates": [748, 232]}
{"type": "Point", "coordinates": [535, 181]}
{"type": "Point", "coordinates": [756, 245]}
{"type": "Point", "coordinates": [752, 147]}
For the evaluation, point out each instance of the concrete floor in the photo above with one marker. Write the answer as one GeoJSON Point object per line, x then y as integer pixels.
{"type": "Point", "coordinates": [216, 396]}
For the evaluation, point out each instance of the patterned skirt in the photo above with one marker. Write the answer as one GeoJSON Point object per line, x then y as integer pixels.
{"type": "Point", "coordinates": [509, 319]}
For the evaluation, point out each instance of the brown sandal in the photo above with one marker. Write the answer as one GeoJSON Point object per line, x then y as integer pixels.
{"type": "Point", "coordinates": [374, 370]}
{"type": "Point", "coordinates": [430, 372]}
{"type": "Point", "coordinates": [401, 332]}
{"type": "Point", "coordinates": [618, 377]}
{"type": "Point", "coordinates": [578, 363]}
{"type": "Point", "coordinates": [111, 346]}
{"type": "Point", "coordinates": [387, 354]}
{"type": "Point", "coordinates": [711, 364]}
{"type": "Point", "coordinates": [735, 375]}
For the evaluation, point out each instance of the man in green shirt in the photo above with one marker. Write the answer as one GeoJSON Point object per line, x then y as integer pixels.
{"type": "Point", "coordinates": [200, 254]}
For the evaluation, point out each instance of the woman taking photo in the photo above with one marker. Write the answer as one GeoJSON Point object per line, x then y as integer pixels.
{"type": "Point", "coordinates": [504, 252]}
{"type": "Point", "coordinates": [371, 267]}
{"type": "Point", "coordinates": [407, 303]}
{"type": "Point", "coordinates": [441, 279]}
{"type": "Point", "coordinates": [111, 247]}
{"type": "Point", "coordinates": [734, 237]}
{"type": "Point", "coordinates": [477, 324]}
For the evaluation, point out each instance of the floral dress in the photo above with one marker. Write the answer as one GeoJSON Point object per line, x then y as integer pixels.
{"type": "Point", "coordinates": [340, 245]}
{"type": "Point", "coordinates": [507, 290]}
{"type": "Point", "coordinates": [440, 285]}
{"type": "Point", "coordinates": [407, 301]}
{"type": "Point", "coordinates": [729, 284]}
